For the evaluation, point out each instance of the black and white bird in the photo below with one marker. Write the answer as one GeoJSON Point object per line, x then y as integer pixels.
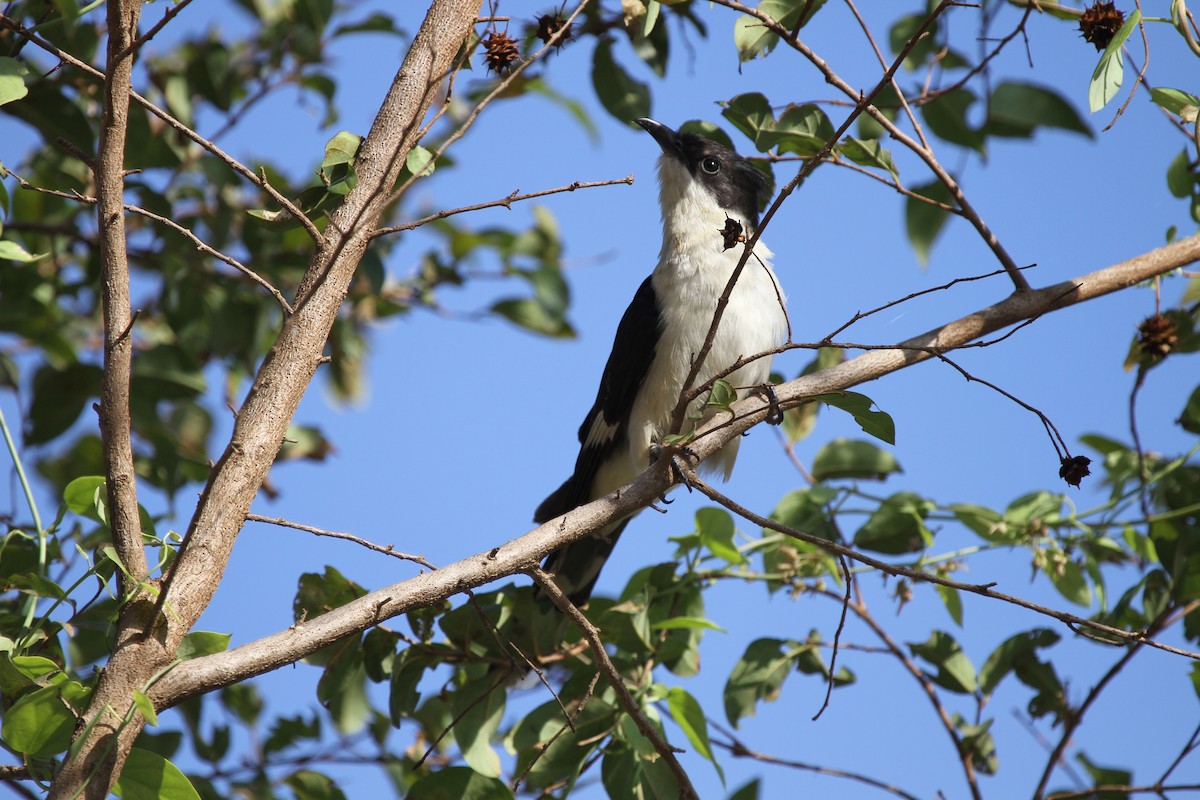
{"type": "Point", "coordinates": [701, 186]}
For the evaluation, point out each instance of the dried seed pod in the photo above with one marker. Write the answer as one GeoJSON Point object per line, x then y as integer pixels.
{"type": "Point", "coordinates": [1157, 336]}
{"type": "Point", "coordinates": [500, 52]}
{"type": "Point", "coordinates": [550, 24]}
{"type": "Point", "coordinates": [1100, 23]}
{"type": "Point", "coordinates": [731, 234]}
{"type": "Point", "coordinates": [1075, 469]}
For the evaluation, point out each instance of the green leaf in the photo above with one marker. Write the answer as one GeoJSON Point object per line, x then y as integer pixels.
{"type": "Point", "coordinates": [752, 38]}
{"type": "Point", "coordinates": [202, 643]}
{"type": "Point", "coordinates": [342, 688]}
{"type": "Point", "coordinates": [27, 669]}
{"type": "Point", "coordinates": [149, 776]}
{"type": "Point", "coordinates": [622, 96]}
{"type": "Point", "coordinates": [41, 723]}
{"type": "Point", "coordinates": [1176, 101]}
{"type": "Point", "coordinates": [1189, 418]}
{"type": "Point", "coordinates": [716, 530]}
{"type": "Point", "coordinates": [12, 80]}
{"type": "Point", "coordinates": [244, 700]}
{"type": "Point", "coordinates": [953, 602]}
{"type": "Point", "coordinates": [686, 623]}
{"type": "Point", "coordinates": [721, 395]}
{"type": "Point", "coordinates": [984, 522]}
{"type": "Point", "coordinates": [877, 423]}
{"type": "Point", "coordinates": [310, 785]}
{"type": "Point", "coordinates": [897, 526]}
{"type": "Point", "coordinates": [287, 731]}
{"type": "Point", "coordinates": [1016, 109]}
{"type": "Point", "coordinates": [59, 397]}
{"type": "Point", "coordinates": [146, 707]}
{"type": "Point", "coordinates": [947, 118]}
{"type": "Point", "coordinates": [403, 696]}
{"type": "Point", "coordinates": [478, 705]}
{"type": "Point", "coordinates": [748, 792]}
{"type": "Point", "coordinates": [689, 716]}
{"type": "Point", "coordinates": [337, 167]}
{"type": "Point", "coordinates": [867, 153]}
{"type": "Point", "coordinates": [954, 670]}
{"type": "Point", "coordinates": [86, 496]}
{"type": "Point", "coordinates": [11, 251]}
{"type": "Point", "coordinates": [1105, 776]}
{"type": "Point", "coordinates": [851, 458]}
{"type": "Point", "coordinates": [924, 221]}
{"type": "Point", "coordinates": [419, 161]}
{"type": "Point", "coordinates": [1067, 576]}
{"type": "Point", "coordinates": [1018, 652]}
{"type": "Point", "coordinates": [528, 313]}
{"type": "Point", "coordinates": [1180, 180]}
{"type": "Point", "coordinates": [803, 130]}
{"type": "Point", "coordinates": [459, 783]}
{"type": "Point", "coordinates": [1110, 71]}
{"type": "Point", "coordinates": [759, 675]}
{"type": "Point", "coordinates": [750, 113]}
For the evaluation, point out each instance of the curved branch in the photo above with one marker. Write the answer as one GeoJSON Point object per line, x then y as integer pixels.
{"type": "Point", "coordinates": [211, 672]}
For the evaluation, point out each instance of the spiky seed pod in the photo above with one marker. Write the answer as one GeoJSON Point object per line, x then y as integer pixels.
{"type": "Point", "coordinates": [550, 24]}
{"type": "Point", "coordinates": [500, 51]}
{"type": "Point", "coordinates": [732, 233]}
{"type": "Point", "coordinates": [1075, 469]}
{"type": "Point", "coordinates": [1157, 336]}
{"type": "Point", "coordinates": [1100, 23]}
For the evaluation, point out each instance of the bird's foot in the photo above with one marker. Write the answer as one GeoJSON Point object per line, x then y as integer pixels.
{"type": "Point", "coordinates": [774, 412]}
{"type": "Point", "coordinates": [678, 456]}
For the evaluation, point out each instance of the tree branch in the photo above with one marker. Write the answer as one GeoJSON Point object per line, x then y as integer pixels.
{"type": "Point", "coordinates": [99, 757]}
{"type": "Point", "coordinates": [615, 679]}
{"type": "Point", "coordinates": [211, 672]}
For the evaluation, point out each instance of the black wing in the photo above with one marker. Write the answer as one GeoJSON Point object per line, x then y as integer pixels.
{"type": "Point", "coordinates": [605, 431]}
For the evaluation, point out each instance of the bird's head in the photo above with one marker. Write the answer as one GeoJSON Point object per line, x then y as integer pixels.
{"type": "Point", "coordinates": [700, 177]}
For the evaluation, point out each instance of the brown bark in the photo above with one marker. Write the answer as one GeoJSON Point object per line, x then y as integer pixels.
{"type": "Point", "coordinates": [148, 637]}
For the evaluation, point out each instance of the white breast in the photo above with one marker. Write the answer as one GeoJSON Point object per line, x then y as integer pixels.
{"type": "Point", "coordinates": [692, 272]}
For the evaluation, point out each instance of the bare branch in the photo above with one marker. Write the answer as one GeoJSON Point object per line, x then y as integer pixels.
{"type": "Point", "coordinates": [387, 550]}
{"type": "Point", "coordinates": [204, 247]}
{"type": "Point", "coordinates": [230, 161]}
{"type": "Point", "coordinates": [1076, 623]}
{"type": "Point", "coordinates": [507, 201]}
{"type": "Point", "coordinates": [210, 672]}
{"type": "Point", "coordinates": [739, 750]}
{"type": "Point", "coordinates": [592, 634]}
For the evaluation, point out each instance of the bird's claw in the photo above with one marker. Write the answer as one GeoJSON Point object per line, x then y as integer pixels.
{"type": "Point", "coordinates": [774, 412]}
{"type": "Point", "coordinates": [679, 468]}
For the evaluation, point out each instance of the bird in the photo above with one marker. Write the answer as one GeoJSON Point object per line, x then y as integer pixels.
{"type": "Point", "coordinates": [702, 186]}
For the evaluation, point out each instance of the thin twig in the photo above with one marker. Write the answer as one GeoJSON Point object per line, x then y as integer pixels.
{"type": "Point", "coordinates": [862, 103]}
{"type": "Point", "coordinates": [204, 247]}
{"type": "Point", "coordinates": [1071, 721]}
{"type": "Point", "coordinates": [387, 550]}
{"type": "Point", "coordinates": [506, 201]}
{"type": "Point", "coordinates": [739, 750]}
{"type": "Point", "coordinates": [230, 161]}
{"type": "Point", "coordinates": [627, 701]}
{"type": "Point", "coordinates": [983, 590]}
{"type": "Point", "coordinates": [923, 152]}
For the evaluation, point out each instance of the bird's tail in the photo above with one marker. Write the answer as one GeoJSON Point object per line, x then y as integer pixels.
{"type": "Point", "coordinates": [577, 566]}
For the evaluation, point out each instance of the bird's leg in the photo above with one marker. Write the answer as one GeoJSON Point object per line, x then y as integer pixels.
{"type": "Point", "coordinates": [673, 452]}
{"type": "Point", "coordinates": [774, 412]}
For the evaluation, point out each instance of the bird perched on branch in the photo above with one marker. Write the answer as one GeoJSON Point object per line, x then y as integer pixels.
{"type": "Point", "coordinates": [707, 192]}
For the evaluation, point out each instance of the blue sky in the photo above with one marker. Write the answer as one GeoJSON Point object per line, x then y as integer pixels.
{"type": "Point", "coordinates": [467, 425]}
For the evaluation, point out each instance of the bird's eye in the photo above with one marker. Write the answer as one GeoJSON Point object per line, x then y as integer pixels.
{"type": "Point", "coordinates": [711, 165]}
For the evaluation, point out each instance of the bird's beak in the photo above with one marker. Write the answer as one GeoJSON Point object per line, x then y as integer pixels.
{"type": "Point", "coordinates": [667, 139]}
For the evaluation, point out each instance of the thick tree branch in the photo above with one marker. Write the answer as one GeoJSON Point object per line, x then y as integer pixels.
{"type": "Point", "coordinates": [280, 383]}
{"type": "Point", "coordinates": [210, 672]}
{"type": "Point", "coordinates": [99, 758]}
